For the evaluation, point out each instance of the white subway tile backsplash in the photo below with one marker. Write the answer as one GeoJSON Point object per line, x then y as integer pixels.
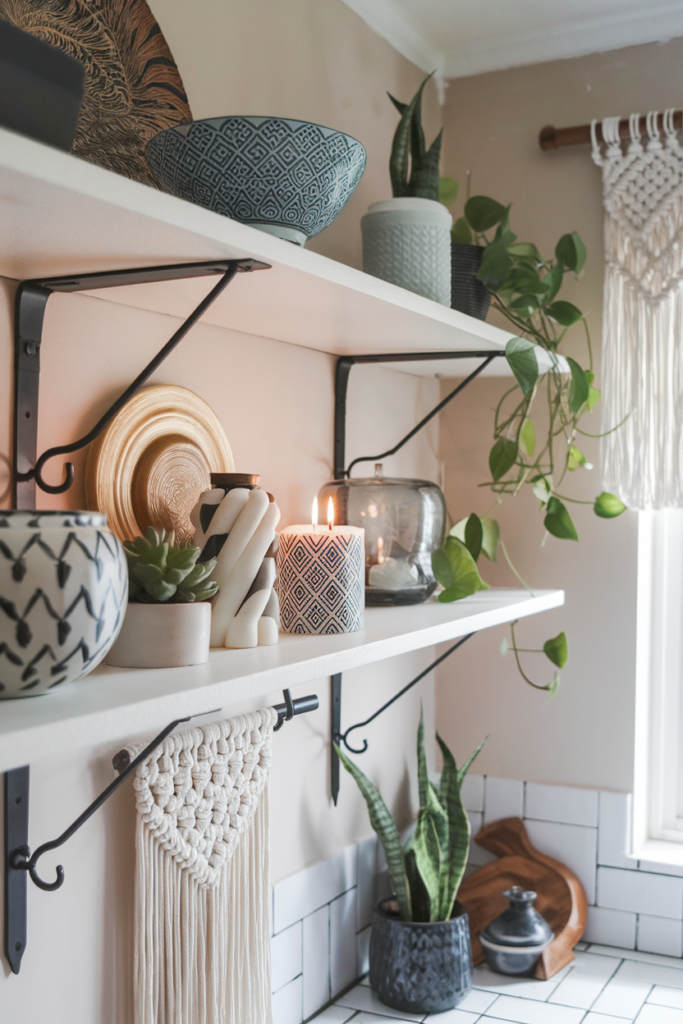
{"type": "Point", "coordinates": [633, 954]}
{"type": "Point", "coordinates": [363, 950]}
{"type": "Point", "coordinates": [472, 792]}
{"type": "Point", "coordinates": [573, 845]}
{"type": "Point", "coordinates": [343, 955]}
{"type": "Point", "coordinates": [366, 881]}
{"type": "Point", "coordinates": [614, 822]}
{"type": "Point", "coordinates": [660, 935]}
{"type": "Point", "coordinates": [478, 855]}
{"type": "Point", "coordinates": [287, 1003]}
{"type": "Point", "coordinates": [561, 803]}
{"type": "Point", "coordinates": [659, 895]}
{"type": "Point", "coordinates": [316, 960]}
{"type": "Point", "coordinates": [503, 798]}
{"type": "Point", "coordinates": [613, 928]}
{"type": "Point", "coordinates": [296, 897]}
{"type": "Point", "coordinates": [286, 956]}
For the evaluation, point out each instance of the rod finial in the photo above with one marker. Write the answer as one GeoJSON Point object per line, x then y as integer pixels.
{"type": "Point", "coordinates": [547, 137]}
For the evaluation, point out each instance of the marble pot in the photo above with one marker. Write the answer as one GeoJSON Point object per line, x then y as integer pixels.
{"type": "Point", "coordinates": [63, 592]}
{"type": "Point", "coordinates": [163, 636]}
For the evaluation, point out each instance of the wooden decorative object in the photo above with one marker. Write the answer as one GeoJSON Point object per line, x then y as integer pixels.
{"type": "Point", "coordinates": [133, 89]}
{"type": "Point", "coordinates": [153, 461]}
{"type": "Point", "coordinates": [561, 899]}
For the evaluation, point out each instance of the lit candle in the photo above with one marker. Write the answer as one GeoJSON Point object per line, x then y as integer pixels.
{"type": "Point", "coordinates": [321, 576]}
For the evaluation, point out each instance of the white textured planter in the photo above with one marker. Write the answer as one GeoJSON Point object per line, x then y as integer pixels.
{"type": "Point", "coordinates": [163, 636]}
{"type": "Point", "coordinates": [408, 242]}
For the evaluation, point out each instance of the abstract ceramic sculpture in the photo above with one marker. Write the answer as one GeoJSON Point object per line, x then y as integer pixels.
{"type": "Point", "coordinates": [289, 178]}
{"type": "Point", "coordinates": [63, 591]}
{"type": "Point", "coordinates": [235, 523]}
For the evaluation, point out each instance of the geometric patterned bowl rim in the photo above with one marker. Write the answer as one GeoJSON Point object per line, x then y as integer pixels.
{"type": "Point", "coordinates": [40, 519]}
{"type": "Point", "coordinates": [183, 129]}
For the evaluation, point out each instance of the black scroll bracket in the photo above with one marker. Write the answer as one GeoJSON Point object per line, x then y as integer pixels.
{"type": "Point", "coordinates": [31, 302]}
{"type": "Point", "coordinates": [20, 863]}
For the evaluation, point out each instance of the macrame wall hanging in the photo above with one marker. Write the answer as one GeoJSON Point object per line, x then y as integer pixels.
{"type": "Point", "coordinates": [202, 943]}
{"type": "Point", "coordinates": [642, 344]}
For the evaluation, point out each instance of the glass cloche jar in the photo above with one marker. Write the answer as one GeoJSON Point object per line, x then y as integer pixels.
{"type": "Point", "coordinates": [404, 522]}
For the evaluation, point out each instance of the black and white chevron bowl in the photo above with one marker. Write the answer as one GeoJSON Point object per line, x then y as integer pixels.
{"type": "Point", "coordinates": [63, 595]}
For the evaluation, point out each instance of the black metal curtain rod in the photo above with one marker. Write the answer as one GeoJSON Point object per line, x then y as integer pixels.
{"type": "Point", "coordinates": [32, 297]}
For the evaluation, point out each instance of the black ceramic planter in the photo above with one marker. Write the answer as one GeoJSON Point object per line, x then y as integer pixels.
{"type": "Point", "coordinates": [467, 294]}
{"type": "Point", "coordinates": [418, 967]}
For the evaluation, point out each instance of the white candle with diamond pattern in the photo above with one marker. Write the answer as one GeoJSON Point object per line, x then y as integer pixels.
{"type": "Point", "coordinates": [321, 577]}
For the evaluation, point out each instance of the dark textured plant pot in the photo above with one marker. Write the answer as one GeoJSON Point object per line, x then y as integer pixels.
{"type": "Point", "coordinates": [418, 967]}
{"type": "Point", "coordinates": [467, 294]}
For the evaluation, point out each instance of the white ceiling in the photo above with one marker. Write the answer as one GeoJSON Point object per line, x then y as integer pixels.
{"type": "Point", "coordinates": [468, 37]}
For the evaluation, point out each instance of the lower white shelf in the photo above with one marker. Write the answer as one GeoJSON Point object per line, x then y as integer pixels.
{"type": "Point", "coordinates": [112, 705]}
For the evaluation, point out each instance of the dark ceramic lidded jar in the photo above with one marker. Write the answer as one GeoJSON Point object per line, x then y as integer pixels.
{"type": "Point", "coordinates": [513, 942]}
{"type": "Point", "coordinates": [420, 966]}
{"type": "Point", "coordinates": [404, 522]}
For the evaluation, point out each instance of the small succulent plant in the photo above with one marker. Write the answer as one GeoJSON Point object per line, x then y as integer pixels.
{"type": "Point", "coordinates": [159, 571]}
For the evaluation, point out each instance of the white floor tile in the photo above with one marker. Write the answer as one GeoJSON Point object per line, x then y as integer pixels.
{"type": "Point", "coordinates": [366, 872]}
{"type": "Point", "coordinates": [477, 1001]}
{"type": "Point", "coordinates": [524, 1011]}
{"type": "Point", "coordinates": [651, 974]}
{"type": "Point", "coordinates": [298, 896]}
{"type": "Point", "coordinates": [363, 950]}
{"type": "Point", "coordinates": [343, 954]}
{"type": "Point", "coordinates": [286, 956]}
{"type": "Point", "coordinates": [503, 798]}
{"type": "Point", "coordinates": [613, 830]}
{"type": "Point", "coordinates": [663, 996]}
{"type": "Point", "coordinates": [375, 1018]}
{"type": "Point", "coordinates": [530, 988]}
{"type": "Point", "coordinates": [581, 946]}
{"type": "Point", "coordinates": [601, 1018]}
{"type": "Point", "coordinates": [472, 792]}
{"type": "Point", "coordinates": [660, 935]}
{"type": "Point", "coordinates": [335, 1015]}
{"type": "Point", "coordinates": [287, 1003]}
{"type": "Point", "coordinates": [561, 803]}
{"type": "Point", "coordinates": [611, 928]}
{"type": "Point", "coordinates": [622, 997]}
{"type": "Point", "coordinates": [631, 954]}
{"type": "Point", "coordinates": [456, 1016]}
{"type": "Point", "coordinates": [641, 892]}
{"type": "Point", "coordinates": [573, 845]}
{"type": "Point", "coordinates": [579, 988]}
{"type": "Point", "coordinates": [659, 1015]}
{"type": "Point", "coordinates": [316, 973]}
{"type": "Point", "coordinates": [363, 998]}
{"type": "Point", "coordinates": [594, 964]}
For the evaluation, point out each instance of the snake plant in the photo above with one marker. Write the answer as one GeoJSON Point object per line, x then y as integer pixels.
{"type": "Point", "coordinates": [427, 870]}
{"type": "Point", "coordinates": [159, 571]}
{"type": "Point", "coordinates": [414, 169]}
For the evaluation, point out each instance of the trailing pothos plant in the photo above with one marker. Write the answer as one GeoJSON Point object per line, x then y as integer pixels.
{"type": "Point", "coordinates": [525, 289]}
{"type": "Point", "coordinates": [426, 871]}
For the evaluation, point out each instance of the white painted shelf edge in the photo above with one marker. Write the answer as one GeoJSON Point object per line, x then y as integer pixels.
{"type": "Point", "coordinates": [112, 705]}
{"type": "Point", "coordinates": [61, 215]}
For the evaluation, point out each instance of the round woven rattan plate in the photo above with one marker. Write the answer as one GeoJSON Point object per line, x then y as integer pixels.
{"type": "Point", "coordinates": [153, 461]}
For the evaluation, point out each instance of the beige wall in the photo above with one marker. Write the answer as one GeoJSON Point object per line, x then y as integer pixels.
{"type": "Point", "coordinates": [316, 60]}
{"type": "Point", "coordinates": [585, 737]}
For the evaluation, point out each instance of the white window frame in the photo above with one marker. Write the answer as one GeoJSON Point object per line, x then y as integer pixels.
{"type": "Point", "coordinates": [658, 774]}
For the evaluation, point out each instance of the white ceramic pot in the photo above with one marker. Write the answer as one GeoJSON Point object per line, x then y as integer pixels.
{"type": "Point", "coordinates": [63, 593]}
{"type": "Point", "coordinates": [163, 636]}
{"type": "Point", "coordinates": [408, 242]}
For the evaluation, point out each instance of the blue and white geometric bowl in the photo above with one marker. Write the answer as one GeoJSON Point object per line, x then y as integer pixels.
{"type": "Point", "coordinates": [289, 178]}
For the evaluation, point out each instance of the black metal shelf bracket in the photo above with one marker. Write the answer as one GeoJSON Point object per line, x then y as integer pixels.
{"type": "Point", "coordinates": [21, 864]}
{"type": "Point", "coordinates": [339, 737]}
{"type": "Point", "coordinates": [31, 302]}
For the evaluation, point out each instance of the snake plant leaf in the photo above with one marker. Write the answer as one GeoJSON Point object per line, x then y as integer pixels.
{"type": "Point", "coordinates": [428, 860]}
{"type": "Point", "coordinates": [448, 190]}
{"type": "Point", "coordinates": [422, 773]}
{"type": "Point", "coordinates": [572, 252]}
{"type": "Point", "coordinates": [502, 457]}
{"type": "Point", "coordinates": [456, 570]}
{"type": "Point", "coordinates": [490, 538]}
{"type": "Point", "coordinates": [458, 831]}
{"type": "Point", "coordinates": [385, 827]}
{"type": "Point", "coordinates": [520, 354]}
{"type": "Point", "coordinates": [527, 437]}
{"type": "Point", "coordinates": [425, 180]}
{"type": "Point", "coordinates": [557, 650]}
{"type": "Point", "coordinates": [408, 143]}
{"type": "Point", "coordinates": [579, 387]}
{"type": "Point", "coordinates": [401, 107]}
{"type": "Point", "coordinates": [438, 813]}
{"type": "Point", "coordinates": [474, 535]}
{"type": "Point", "coordinates": [564, 313]}
{"type": "Point", "coordinates": [608, 506]}
{"type": "Point", "coordinates": [461, 232]}
{"type": "Point", "coordinates": [419, 897]}
{"type": "Point", "coordinates": [558, 522]}
{"type": "Point", "coordinates": [483, 213]}
{"type": "Point", "coordinates": [463, 770]}
{"type": "Point", "coordinates": [553, 280]}
{"type": "Point", "coordinates": [496, 266]}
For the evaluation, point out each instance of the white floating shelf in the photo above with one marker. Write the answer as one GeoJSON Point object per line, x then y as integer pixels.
{"type": "Point", "coordinates": [112, 705]}
{"type": "Point", "coordinates": [61, 215]}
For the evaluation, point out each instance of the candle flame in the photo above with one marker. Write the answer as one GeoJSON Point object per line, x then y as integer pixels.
{"type": "Point", "coordinates": [314, 515]}
{"type": "Point", "coordinates": [380, 550]}
{"type": "Point", "coordinates": [330, 513]}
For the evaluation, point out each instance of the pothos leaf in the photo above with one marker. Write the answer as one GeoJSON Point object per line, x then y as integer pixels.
{"type": "Point", "coordinates": [448, 190]}
{"type": "Point", "coordinates": [461, 233]}
{"type": "Point", "coordinates": [608, 506]}
{"type": "Point", "coordinates": [527, 437]}
{"type": "Point", "coordinates": [558, 522]}
{"type": "Point", "coordinates": [571, 250]}
{"type": "Point", "coordinates": [579, 387]}
{"type": "Point", "coordinates": [490, 538]}
{"type": "Point", "coordinates": [502, 457]}
{"type": "Point", "coordinates": [557, 650]}
{"type": "Point", "coordinates": [520, 354]}
{"type": "Point", "coordinates": [456, 571]}
{"type": "Point", "coordinates": [564, 313]}
{"type": "Point", "coordinates": [474, 536]}
{"type": "Point", "coordinates": [542, 487]}
{"type": "Point", "coordinates": [483, 213]}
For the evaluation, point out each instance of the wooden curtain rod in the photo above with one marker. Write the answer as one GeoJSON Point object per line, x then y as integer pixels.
{"type": "Point", "coordinates": [580, 135]}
